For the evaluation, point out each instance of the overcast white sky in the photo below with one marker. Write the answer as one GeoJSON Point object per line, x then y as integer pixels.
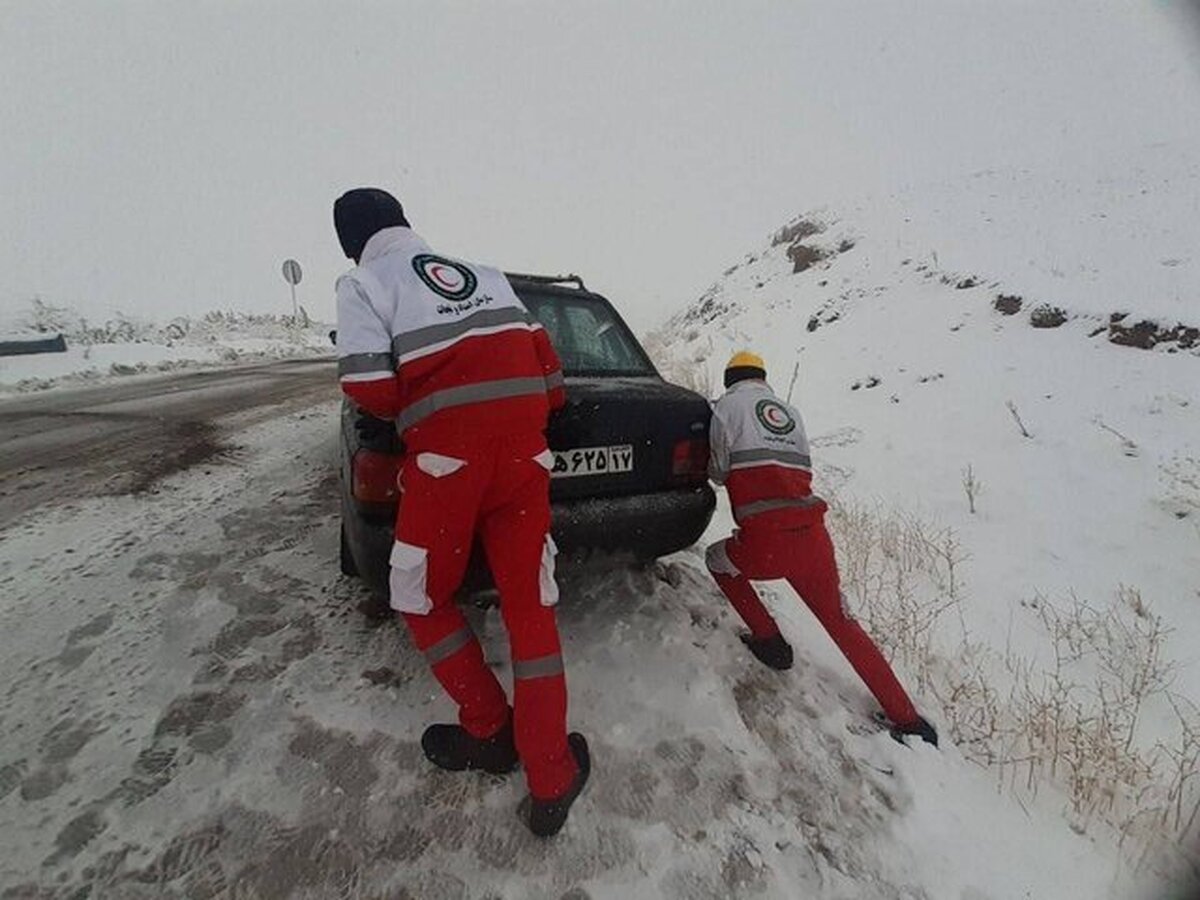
{"type": "Point", "coordinates": [164, 157]}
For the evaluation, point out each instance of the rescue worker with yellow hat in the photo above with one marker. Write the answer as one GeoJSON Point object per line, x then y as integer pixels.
{"type": "Point", "coordinates": [759, 451]}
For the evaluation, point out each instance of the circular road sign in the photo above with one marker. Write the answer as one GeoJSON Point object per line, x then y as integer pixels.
{"type": "Point", "coordinates": [291, 271]}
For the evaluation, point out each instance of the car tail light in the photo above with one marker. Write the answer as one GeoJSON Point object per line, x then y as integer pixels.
{"type": "Point", "coordinates": [689, 460]}
{"type": "Point", "coordinates": [374, 476]}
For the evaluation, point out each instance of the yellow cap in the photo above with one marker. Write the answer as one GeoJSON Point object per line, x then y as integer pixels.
{"type": "Point", "coordinates": [744, 358]}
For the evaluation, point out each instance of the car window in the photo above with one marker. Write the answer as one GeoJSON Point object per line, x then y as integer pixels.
{"type": "Point", "coordinates": [589, 336]}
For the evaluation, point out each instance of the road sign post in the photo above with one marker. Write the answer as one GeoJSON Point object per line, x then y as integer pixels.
{"type": "Point", "coordinates": [292, 275]}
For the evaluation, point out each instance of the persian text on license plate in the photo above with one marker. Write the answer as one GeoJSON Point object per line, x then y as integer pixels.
{"type": "Point", "coordinates": [592, 461]}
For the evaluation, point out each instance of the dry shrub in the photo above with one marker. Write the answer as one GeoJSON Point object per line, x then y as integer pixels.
{"type": "Point", "coordinates": [46, 318]}
{"type": "Point", "coordinates": [901, 576]}
{"type": "Point", "coordinates": [972, 486]}
{"type": "Point", "coordinates": [1076, 723]}
{"type": "Point", "coordinates": [1071, 719]}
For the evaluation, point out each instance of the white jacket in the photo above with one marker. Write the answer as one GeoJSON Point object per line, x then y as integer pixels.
{"type": "Point", "coordinates": [759, 451]}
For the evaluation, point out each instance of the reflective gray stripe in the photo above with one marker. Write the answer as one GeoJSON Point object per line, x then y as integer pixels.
{"type": "Point", "coordinates": [762, 506]}
{"type": "Point", "coordinates": [469, 393]}
{"type": "Point", "coordinates": [449, 645]}
{"type": "Point", "coordinates": [555, 380]}
{"type": "Point", "coordinates": [357, 363]}
{"type": "Point", "coordinates": [787, 457]}
{"type": "Point", "coordinates": [542, 667]}
{"type": "Point", "coordinates": [436, 334]}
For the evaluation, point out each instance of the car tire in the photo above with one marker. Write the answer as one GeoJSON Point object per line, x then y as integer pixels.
{"type": "Point", "coordinates": [642, 563]}
{"type": "Point", "coordinates": [345, 557]}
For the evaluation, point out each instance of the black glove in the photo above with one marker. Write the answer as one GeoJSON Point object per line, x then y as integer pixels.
{"type": "Point", "coordinates": [376, 433]}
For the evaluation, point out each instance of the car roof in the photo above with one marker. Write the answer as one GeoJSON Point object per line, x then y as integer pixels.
{"type": "Point", "coordinates": [548, 280]}
{"type": "Point", "coordinates": [554, 286]}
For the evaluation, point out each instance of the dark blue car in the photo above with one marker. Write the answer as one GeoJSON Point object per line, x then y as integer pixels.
{"type": "Point", "coordinates": [631, 450]}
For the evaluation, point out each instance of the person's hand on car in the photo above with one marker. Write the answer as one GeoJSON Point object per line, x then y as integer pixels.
{"type": "Point", "coordinates": [372, 429]}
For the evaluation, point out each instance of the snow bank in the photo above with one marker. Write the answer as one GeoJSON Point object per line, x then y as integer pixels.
{"type": "Point", "coordinates": [124, 346]}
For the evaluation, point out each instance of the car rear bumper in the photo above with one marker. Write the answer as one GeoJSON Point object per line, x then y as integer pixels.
{"type": "Point", "coordinates": [644, 526]}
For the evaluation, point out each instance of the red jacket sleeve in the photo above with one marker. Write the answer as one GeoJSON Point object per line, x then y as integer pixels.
{"type": "Point", "coordinates": [551, 368]}
{"type": "Point", "coordinates": [381, 397]}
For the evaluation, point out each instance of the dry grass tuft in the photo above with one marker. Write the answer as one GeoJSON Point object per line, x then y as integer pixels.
{"type": "Point", "coordinates": [1071, 717]}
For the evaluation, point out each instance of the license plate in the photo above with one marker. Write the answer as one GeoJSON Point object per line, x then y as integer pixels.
{"type": "Point", "coordinates": [592, 461]}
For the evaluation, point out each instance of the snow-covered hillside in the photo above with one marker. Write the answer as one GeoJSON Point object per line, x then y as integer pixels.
{"type": "Point", "coordinates": [989, 338]}
{"type": "Point", "coordinates": [121, 346]}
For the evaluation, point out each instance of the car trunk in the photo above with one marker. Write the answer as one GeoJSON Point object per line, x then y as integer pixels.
{"type": "Point", "coordinates": [603, 416]}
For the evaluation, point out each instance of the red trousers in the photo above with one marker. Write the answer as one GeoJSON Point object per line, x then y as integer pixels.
{"type": "Point", "coordinates": [496, 488]}
{"type": "Point", "coordinates": [804, 556]}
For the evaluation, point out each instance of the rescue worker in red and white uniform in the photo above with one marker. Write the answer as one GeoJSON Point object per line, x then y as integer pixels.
{"type": "Point", "coordinates": [759, 451]}
{"type": "Point", "coordinates": [446, 349]}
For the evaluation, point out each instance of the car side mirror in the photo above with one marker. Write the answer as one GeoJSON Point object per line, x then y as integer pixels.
{"type": "Point", "coordinates": [333, 337]}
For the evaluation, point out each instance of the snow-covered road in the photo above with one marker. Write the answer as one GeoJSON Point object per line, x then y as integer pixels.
{"type": "Point", "coordinates": [125, 436]}
{"type": "Point", "coordinates": [193, 707]}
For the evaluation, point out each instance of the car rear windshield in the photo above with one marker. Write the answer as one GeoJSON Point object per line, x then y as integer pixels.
{"type": "Point", "coordinates": [588, 334]}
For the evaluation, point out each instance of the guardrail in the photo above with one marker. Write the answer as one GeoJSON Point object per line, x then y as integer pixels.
{"type": "Point", "coordinates": [23, 347]}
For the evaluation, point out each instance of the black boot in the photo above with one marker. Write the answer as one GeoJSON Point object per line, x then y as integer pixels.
{"type": "Point", "coordinates": [921, 728]}
{"type": "Point", "coordinates": [772, 651]}
{"type": "Point", "coordinates": [547, 817]}
{"type": "Point", "coordinates": [452, 747]}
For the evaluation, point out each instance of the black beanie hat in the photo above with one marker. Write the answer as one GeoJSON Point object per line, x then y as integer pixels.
{"type": "Point", "coordinates": [359, 213]}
